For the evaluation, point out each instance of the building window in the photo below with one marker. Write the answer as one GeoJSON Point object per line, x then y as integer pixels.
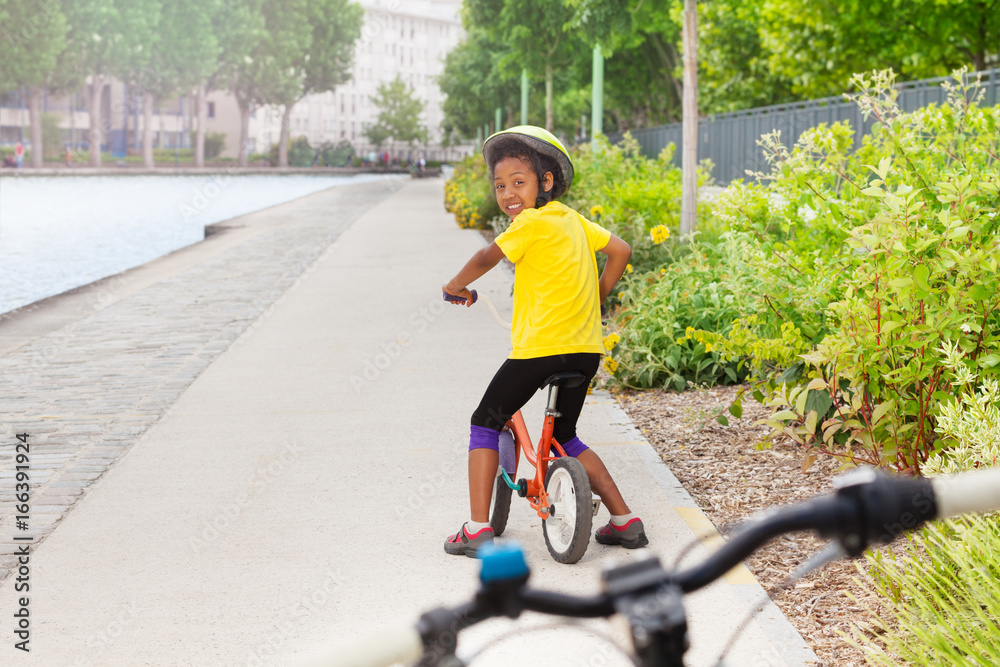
{"type": "Point", "coordinates": [211, 109]}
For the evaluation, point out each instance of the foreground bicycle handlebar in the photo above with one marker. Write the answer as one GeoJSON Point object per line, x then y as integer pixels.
{"type": "Point", "coordinates": [867, 508]}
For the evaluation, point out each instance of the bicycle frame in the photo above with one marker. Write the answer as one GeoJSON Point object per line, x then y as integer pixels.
{"type": "Point", "coordinates": [538, 457]}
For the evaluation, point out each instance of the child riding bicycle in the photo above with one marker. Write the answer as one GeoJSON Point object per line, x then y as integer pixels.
{"type": "Point", "coordinates": [556, 323]}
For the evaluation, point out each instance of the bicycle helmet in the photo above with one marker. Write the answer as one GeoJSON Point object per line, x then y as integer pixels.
{"type": "Point", "coordinates": [539, 140]}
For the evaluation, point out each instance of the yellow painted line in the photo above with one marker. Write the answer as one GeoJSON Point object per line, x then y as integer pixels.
{"type": "Point", "coordinates": [712, 540]}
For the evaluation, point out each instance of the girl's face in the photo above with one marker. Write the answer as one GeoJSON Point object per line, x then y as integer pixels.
{"type": "Point", "coordinates": [516, 185]}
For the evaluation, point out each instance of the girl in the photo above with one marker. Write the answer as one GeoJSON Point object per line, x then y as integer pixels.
{"type": "Point", "coordinates": [556, 322]}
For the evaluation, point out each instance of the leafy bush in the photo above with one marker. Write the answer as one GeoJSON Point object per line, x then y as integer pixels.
{"type": "Point", "coordinates": [215, 142]}
{"type": "Point", "coordinates": [468, 194]}
{"type": "Point", "coordinates": [660, 310]}
{"type": "Point", "coordinates": [300, 153]}
{"type": "Point", "coordinates": [336, 155]}
{"type": "Point", "coordinates": [889, 252]}
{"type": "Point", "coordinates": [944, 593]}
{"type": "Point", "coordinates": [944, 590]}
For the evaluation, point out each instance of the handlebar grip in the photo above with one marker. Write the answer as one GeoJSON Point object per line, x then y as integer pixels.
{"type": "Point", "coordinates": [977, 491]}
{"type": "Point", "coordinates": [458, 299]}
{"type": "Point", "coordinates": [392, 646]}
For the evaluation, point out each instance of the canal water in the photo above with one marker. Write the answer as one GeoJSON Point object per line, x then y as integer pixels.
{"type": "Point", "coordinates": [61, 232]}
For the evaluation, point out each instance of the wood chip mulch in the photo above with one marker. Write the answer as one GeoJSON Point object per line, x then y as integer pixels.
{"type": "Point", "coordinates": [732, 476]}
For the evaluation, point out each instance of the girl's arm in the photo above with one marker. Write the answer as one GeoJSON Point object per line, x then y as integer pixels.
{"type": "Point", "coordinates": [619, 253]}
{"type": "Point", "coordinates": [479, 264]}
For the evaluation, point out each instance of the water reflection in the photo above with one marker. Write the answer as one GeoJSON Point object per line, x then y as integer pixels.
{"type": "Point", "coordinates": [57, 233]}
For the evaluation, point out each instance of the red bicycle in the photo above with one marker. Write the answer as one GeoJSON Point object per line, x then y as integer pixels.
{"type": "Point", "coordinates": [559, 491]}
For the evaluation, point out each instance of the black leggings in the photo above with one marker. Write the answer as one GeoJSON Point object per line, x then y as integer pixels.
{"type": "Point", "coordinates": [518, 380]}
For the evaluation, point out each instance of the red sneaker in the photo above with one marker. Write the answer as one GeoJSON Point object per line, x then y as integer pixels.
{"type": "Point", "coordinates": [465, 543]}
{"type": "Point", "coordinates": [630, 536]}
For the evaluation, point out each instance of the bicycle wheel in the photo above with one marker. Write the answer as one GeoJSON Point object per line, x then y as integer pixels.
{"type": "Point", "coordinates": [500, 502]}
{"type": "Point", "coordinates": [567, 530]}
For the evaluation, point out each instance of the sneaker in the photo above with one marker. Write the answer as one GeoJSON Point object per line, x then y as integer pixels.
{"type": "Point", "coordinates": [463, 542]}
{"type": "Point", "coordinates": [630, 536]}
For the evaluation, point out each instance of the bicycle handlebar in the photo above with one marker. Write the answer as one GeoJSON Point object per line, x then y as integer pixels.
{"type": "Point", "coordinates": [458, 299]}
{"type": "Point", "coordinates": [866, 508]}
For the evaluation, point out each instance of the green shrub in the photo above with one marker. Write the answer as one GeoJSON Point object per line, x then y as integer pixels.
{"type": "Point", "coordinates": [300, 153]}
{"type": "Point", "coordinates": [659, 310]}
{"type": "Point", "coordinates": [944, 593]}
{"type": "Point", "coordinates": [336, 155]}
{"type": "Point", "coordinates": [886, 253]}
{"type": "Point", "coordinates": [944, 589]}
{"type": "Point", "coordinates": [468, 194]}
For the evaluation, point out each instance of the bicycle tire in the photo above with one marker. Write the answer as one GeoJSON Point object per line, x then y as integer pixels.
{"type": "Point", "coordinates": [500, 502]}
{"type": "Point", "coordinates": [567, 531]}
{"type": "Point", "coordinates": [500, 507]}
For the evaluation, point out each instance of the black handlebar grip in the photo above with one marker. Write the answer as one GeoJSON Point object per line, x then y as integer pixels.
{"type": "Point", "coordinates": [458, 299]}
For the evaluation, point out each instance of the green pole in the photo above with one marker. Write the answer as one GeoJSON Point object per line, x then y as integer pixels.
{"type": "Point", "coordinates": [486, 131]}
{"type": "Point", "coordinates": [597, 98]}
{"type": "Point", "coordinates": [524, 96]}
{"type": "Point", "coordinates": [498, 120]}
{"type": "Point", "coordinates": [479, 137]}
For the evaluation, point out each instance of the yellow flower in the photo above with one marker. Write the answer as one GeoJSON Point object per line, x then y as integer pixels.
{"type": "Point", "coordinates": [610, 364]}
{"type": "Point", "coordinates": [610, 341]}
{"type": "Point", "coordinates": [709, 347]}
{"type": "Point", "coordinates": [596, 210]}
{"type": "Point", "coordinates": [628, 268]}
{"type": "Point", "coordinates": [659, 234]}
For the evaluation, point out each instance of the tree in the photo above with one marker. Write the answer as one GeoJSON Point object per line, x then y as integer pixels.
{"type": "Point", "coordinates": [472, 84]}
{"type": "Point", "coordinates": [272, 70]}
{"type": "Point", "coordinates": [113, 38]}
{"type": "Point", "coordinates": [734, 66]}
{"type": "Point", "coordinates": [326, 63]}
{"type": "Point", "coordinates": [183, 56]}
{"type": "Point", "coordinates": [36, 37]}
{"type": "Point", "coordinates": [818, 46]}
{"type": "Point", "coordinates": [537, 38]}
{"type": "Point", "coordinates": [399, 115]}
{"type": "Point", "coordinates": [237, 25]}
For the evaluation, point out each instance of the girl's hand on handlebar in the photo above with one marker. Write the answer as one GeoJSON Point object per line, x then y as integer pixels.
{"type": "Point", "coordinates": [460, 297]}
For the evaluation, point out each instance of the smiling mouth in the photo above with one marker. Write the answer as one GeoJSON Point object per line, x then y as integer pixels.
{"type": "Point", "coordinates": [514, 206]}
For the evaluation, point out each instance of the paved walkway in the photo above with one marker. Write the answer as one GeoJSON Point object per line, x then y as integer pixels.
{"type": "Point", "coordinates": [250, 451]}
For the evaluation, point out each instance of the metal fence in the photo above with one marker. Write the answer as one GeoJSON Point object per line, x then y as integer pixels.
{"type": "Point", "coordinates": [729, 140]}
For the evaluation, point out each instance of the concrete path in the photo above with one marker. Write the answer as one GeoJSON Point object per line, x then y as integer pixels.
{"type": "Point", "coordinates": [251, 451]}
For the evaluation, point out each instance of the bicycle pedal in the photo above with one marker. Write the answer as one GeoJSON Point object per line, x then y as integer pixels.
{"type": "Point", "coordinates": [596, 502]}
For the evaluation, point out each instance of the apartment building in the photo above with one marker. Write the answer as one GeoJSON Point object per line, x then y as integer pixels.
{"type": "Point", "coordinates": [405, 38]}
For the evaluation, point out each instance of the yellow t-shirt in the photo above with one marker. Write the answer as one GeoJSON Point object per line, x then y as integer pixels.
{"type": "Point", "coordinates": [557, 301]}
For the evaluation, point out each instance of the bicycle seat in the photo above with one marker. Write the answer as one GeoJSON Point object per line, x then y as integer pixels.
{"type": "Point", "coordinates": [568, 379]}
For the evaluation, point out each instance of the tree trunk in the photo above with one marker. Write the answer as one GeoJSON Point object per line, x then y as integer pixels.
{"type": "Point", "coordinates": [35, 96]}
{"type": "Point", "coordinates": [286, 117]}
{"type": "Point", "coordinates": [689, 157]}
{"type": "Point", "coordinates": [95, 134]}
{"type": "Point", "coordinates": [549, 121]}
{"type": "Point", "coordinates": [244, 134]}
{"type": "Point", "coordinates": [147, 130]}
{"type": "Point", "coordinates": [199, 136]}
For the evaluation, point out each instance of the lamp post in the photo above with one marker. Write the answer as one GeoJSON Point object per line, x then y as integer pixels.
{"type": "Point", "coordinates": [597, 97]}
{"type": "Point", "coordinates": [524, 96]}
